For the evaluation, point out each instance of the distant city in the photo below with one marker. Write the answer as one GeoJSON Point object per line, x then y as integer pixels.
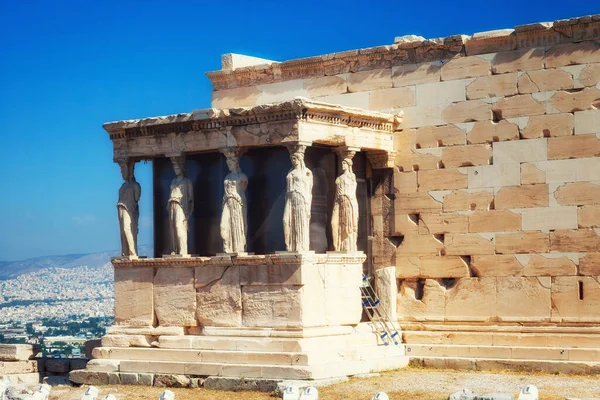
{"type": "Point", "coordinates": [59, 302]}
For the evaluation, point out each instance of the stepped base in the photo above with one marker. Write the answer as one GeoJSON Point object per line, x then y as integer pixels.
{"type": "Point", "coordinates": [553, 349]}
{"type": "Point", "coordinates": [311, 354]}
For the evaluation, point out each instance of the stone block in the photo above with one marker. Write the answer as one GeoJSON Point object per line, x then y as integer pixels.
{"type": "Point", "coordinates": [418, 245]}
{"type": "Point", "coordinates": [440, 93]}
{"type": "Point", "coordinates": [490, 41]}
{"type": "Point", "coordinates": [552, 125]}
{"type": "Point", "coordinates": [357, 100]}
{"type": "Point", "coordinates": [58, 365]}
{"type": "Point", "coordinates": [587, 122]}
{"type": "Point", "coordinates": [530, 174]}
{"type": "Point", "coordinates": [466, 67]}
{"type": "Point", "coordinates": [134, 304]}
{"type": "Point", "coordinates": [129, 378]}
{"type": "Point", "coordinates": [270, 306]}
{"type": "Point", "coordinates": [523, 298]}
{"type": "Point", "coordinates": [467, 111]}
{"type": "Point", "coordinates": [524, 196]}
{"type": "Point", "coordinates": [393, 98]}
{"type": "Point", "coordinates": [518, 106]}
{"type": "Point", "coordinates": [472, 299]}
{"type": "Point", "coordinates": [494, 221]}
{"type": "Point", "coordinates": [589, 264]}
{"type": "Point", "coordinates": [518, 60]}
{"type": "Point", "coordinates": [494, 176]}
{"type": "Point", "coordinates": [238, 97]}
{"type": "Point", "coordinates": [415, 203]}
{"type": "Point", "coordinates": [421, 300]}
{"type": "Point", "coordinates": [77, 363]}
{"type": "Point", "coordinates": [281, 91]}
{"type": "Point", "coordinates": [464, 244]}
{"type": "Point", "coordinates": [492, 86]}
{"type": "Point", "coordinates": [530, 150]}
{"type": "Point", "coordinates": [81, 376]}
{"type": "Point", "coordinates": [576, 299]}
{"type": "Point", "coordinates": [490, 131]}
{"type": "Point", "coordinates": [553, 264]}
{"type": "Point", "coordinates": [415, 74]}
{"type": "Point", "coordinates": [576, 170]}
{"type": "Point", "coordinates": [325, 86]}
{"type": "Point", "coordinates": [370, 80]}
{"type": "Point", "coordinates": [405, 182]}
{"type": "Point", "coordinates": [572, 53]}
{"type": "Point", "coordinates": [464, 156]}
{"type": "Point", "coordinates": [437, 136]}
{"type": "Point", "coordinates": [175, 296]}
{"type": "Point", "coordinates": [546, 219]}
{"type": "Point", "coordinates": [409, 160]}
{"type": "Point", "coordinates": [112, 340]}
{"type": "Point", "coordinates": [544, 80]}
{"type": "Point", "coordinates": [465, 200]}
{"type": "Point", "coordinates": [387, 290]}
{"type": "Point", "coordinates": [442, 179]}
{"type": "Point", "coordinates": [405, 224]}
{"type": "Point", "coordinates": [407, 267]}
{"type": "Point", "coordinates": [417, 117]}
{"type": "Point", "coordinates": [590, 75]}
{"type": "Point", "coordinates": [496, 265]}
{"type": "Point", "coordinates": [18, 352]}
{"type": "Point", "coordinates": [522, 242]}
{"type": "Point", "coordinates": [21, 367]}
{"type": "Point", "coordinates": [219, 301]}
{"type": "Point", "coordinates": [436, 224]}
{"type": "Point", "coordinates": [443, 267]}
{"type": "Point", "coordinates": [575, 240]}
{"type": "Point", "coordinates": [578, 194]}
{"type": "Point", "coordinates": [588, 217]}
{"type": "Point", "coordinates": [585, 99]}
{"type": "Point", "coordinates": [578, 146]}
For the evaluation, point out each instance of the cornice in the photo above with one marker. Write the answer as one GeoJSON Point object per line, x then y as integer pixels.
{"type": "Point", "coordinates": [410, 50]}
{"type": "Point", "coordinates": [299, 109]}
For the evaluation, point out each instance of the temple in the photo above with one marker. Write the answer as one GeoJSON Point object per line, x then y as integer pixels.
{"type": "Point", "coordinates": [459, 175]}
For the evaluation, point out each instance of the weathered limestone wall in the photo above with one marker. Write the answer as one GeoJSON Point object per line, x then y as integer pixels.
{"type": "Point", "coordinates": [492, 212]}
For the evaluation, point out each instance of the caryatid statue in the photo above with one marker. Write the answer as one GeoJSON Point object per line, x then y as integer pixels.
{"type": "Point", "coordinates": [344, 220]}
{"type": "Point", "coordinates": [180, 207]}
{"type": "Point", "coordinates": [127, 208]}
{"type": "Point", "coordinates": [234, 216]}
{"type": "Point", "coordinates": [296, 216]}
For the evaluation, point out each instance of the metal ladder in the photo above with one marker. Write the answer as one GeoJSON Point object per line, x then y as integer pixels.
{"type": "Point", "coordinates": [378, 316]}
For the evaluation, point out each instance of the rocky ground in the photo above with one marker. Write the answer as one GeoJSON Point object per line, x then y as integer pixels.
{"type": "Point", "coordinates": [410, 383]}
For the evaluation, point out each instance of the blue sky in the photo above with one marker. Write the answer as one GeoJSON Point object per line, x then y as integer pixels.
{"type": "Point", "coordinates": [68, 66]}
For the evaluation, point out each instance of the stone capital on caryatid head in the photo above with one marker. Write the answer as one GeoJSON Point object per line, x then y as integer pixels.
{"type": "Point", "coordinates": [344, 219]}
{"type": "Point", "coordinates": [180, 207]}
{"type": "Point", "coordinates": [234, 225]}
{"type": "Point", "coordinates": [127, 208]}
{"type": "Point", "coordinates": [298, 202]}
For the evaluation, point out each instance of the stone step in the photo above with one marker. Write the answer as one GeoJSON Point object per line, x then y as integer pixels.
{"type": "Point", "coordinates": [248, 357]}
{"type": "Point", "coordinates": [513, 339]}
{"type": "Point", "coordinates": [503, 352]}
{"type": "Point", "coordinates": [269, 344]}
{"type": "Point", "coordinates": [320, 371]}
{"type": "Point", "coordinates": [496, 364]}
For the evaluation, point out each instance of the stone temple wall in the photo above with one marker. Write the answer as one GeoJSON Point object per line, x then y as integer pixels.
{"type": "Point", "coordinates": [492, 212]}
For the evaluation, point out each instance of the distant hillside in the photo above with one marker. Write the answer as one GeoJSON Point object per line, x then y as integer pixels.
{"type": "Point", "coordinates": [13, 269]}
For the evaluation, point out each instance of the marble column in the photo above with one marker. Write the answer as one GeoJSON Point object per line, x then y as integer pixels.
{"type": "Point", "coordinates": [127, 208]}
{"type": "Point", "coordinates": [180, 207]}
{"type": "Point", "coordinates": [344, 220]}
{"type": "Point", "coordinates": [234, 215]}
{"type": "Point", "coordinates": [298, 202]}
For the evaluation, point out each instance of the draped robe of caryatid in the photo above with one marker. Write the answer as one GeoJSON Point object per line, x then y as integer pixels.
{"type": "Point", "coordinates": [128, 213]}
{"type": "Point", "coordinates": [296, 216]}
{"type": "Point", "coordinates": [180, 207]}
{"type": "Point", "coordinates": [234, 216]}
{"type": "Point", "coordinates": [344, 220]}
